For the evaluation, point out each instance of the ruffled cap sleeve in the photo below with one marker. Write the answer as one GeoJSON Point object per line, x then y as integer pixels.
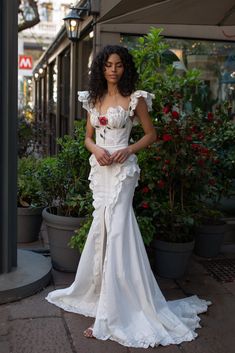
{"type": "Point", "coordinates": [83, 97]}
{"type": "Point", "coordinates": [148, 97]}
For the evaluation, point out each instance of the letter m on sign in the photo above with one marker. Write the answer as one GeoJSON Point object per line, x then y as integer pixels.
{"type": "Point", "coordinates": [25, 62]}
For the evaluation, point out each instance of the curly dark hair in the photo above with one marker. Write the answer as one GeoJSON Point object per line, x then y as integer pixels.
{"type": "Point", "coordinates": [97, 85]}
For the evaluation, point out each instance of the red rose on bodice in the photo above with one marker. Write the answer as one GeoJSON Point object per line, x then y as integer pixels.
{"type": "Point", "coordinates": [103, 120]}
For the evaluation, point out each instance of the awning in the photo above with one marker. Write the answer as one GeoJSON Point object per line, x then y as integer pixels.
{"type": "Point", "coordinates": [197, 12]}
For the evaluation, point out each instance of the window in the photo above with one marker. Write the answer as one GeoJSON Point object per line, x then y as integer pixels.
{"type": "Point", "coordinates": [214, 59]}
{"type": "Point", "coordinates": [45, 11]}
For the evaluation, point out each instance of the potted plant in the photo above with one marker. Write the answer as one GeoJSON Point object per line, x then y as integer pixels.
{"type": "Point", "coordinates": [65, 185]}
{"type": "Point", "coordinates": [30, 199]}
{"type": "Point", "coordinates": [26, 132]}
{"type": "Point", "coordinates": [176, 170]}
{"type": "Point", "coordinates": [222, 139]}
{"type": "Point", "coordinates": [212, 228]}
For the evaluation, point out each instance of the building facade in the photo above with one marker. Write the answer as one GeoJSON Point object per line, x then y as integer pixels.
{"type": "Point", "coordinates": [64, 67]}
{"type": "Point", "coordinates": [33, 42]}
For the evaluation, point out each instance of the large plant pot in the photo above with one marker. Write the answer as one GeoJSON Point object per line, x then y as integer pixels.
{"type": "Point", "coordinates": [28, 224]}
{"type": "Point", "coordinates": [171, 259]}
{"type": "Point", "coordinates": [60, 229]}
{"type": "Point", "coordinates": [209, 239]}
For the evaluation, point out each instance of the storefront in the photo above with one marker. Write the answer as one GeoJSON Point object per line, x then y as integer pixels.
{"type": "Point", "coordinates": [193, 43]}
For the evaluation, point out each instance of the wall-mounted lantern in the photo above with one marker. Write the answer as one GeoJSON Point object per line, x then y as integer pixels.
{"type": "Point", "coordinates": [75, 17]}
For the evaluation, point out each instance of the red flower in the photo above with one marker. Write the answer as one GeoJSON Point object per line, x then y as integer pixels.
{"type": "Point", "coordinates": [201, 136]}
{"type": "Point", "coordinates": [164, 168]}
{"type": "Point", "coordinates": [195, 146]}
{"type": "Point", "coordinates": [103, 120]}
{"type": "Point", "coordinates": [167, 161]}
{"type": "Point", "coordinates": [210, 116]}
{"type": "Point", "coordinates": [204, 150]}
{"type": "Point", "coordinates": [166, 109]}
{"type": "Point", "coordinates": [158, 158]}
{"type": "Point", "coordinates": [189, 138]}
{"type": "Point", "coordinates": [212, 181]}
{"type": "Point", "coordinates": [193, 129]}
{"type": "Point", "coordinates": [160, 184]}
{"type": "Point", "coordinates": [145, 189]}
{"type": "Point", "coordinates": [175, 114]}
{"type": "Point", "coordinates": [167, 137]}
{"type": "Point", "coordinates": [201, 162]}
{"type": "Point", "coordinates": [145, 205]}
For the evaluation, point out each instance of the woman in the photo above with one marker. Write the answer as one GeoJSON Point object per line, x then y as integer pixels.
{"type": "Point", "coordinates": [114, 282]}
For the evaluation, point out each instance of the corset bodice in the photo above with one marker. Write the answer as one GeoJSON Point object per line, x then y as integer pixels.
{"type": "Point", "coordinates": [113, 128]}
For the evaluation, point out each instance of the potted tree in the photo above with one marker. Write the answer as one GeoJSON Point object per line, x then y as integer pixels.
{"type": "Point", "coordinates": [30, 199]}
{"type": "Point", "coordinates": [65, 186]}
{"type": "Point", "coordinates": [212, 223]}
{"type": "Point", "coordinates": [177, 169]}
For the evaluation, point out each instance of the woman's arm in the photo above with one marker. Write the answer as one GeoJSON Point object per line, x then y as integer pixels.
{"type": "Point", "coordinates": [102, 156]}
{"type": "Point", "coordinates": [149, 134]}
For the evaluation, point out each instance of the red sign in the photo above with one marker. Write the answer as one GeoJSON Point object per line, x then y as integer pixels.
{"type": "Point", "coordinates": [25, 62]}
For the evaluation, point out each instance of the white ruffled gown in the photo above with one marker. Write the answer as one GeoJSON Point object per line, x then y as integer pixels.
{"type": "Point", "coordinates": [114, 282]}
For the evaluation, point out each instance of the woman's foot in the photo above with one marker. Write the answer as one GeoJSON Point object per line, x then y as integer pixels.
{"type": "Point", "coordinates": [88, 332]}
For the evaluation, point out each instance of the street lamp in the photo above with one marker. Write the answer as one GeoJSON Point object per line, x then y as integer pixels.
{"type": "Point", "coordinates": [74, 19]}
{"type": "Point", "coordinates": [73, 24]}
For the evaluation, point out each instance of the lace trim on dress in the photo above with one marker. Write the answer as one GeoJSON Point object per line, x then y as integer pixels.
{"type": "Point", "coordinates": [179, 331]}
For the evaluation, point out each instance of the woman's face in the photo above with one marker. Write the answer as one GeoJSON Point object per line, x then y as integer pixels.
{"type": "Point", "coordinates": [113, 69]}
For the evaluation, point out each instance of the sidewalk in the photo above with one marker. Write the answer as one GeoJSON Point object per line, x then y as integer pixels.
{"type": "Point", "coordinates": [32, 325]}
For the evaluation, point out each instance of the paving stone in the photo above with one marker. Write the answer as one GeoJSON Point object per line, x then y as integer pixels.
{"type": "Point", "coordinates": [173, 294]}
{"type": "Point", "coordinates": [40, 335]}
{"type": "Point", "coordinates": [165, 283]}
{"type": "Point", "coordinates": [158, 349]}
{"type": "Point", "coordinates": [34, 306]}
{"type": "Point", "coordinates": [77, 324]}
{"type": "Point", "coordinates": [195, 267]}
{"type": "Point", "coordinates": [230, 286]}
{"type": "Point", "coordinates": [217, 332]}
{"type": "Point", "coordinates": [4, 316]}
{"type": "Point", "coordinates": [62, 279]}
{"type": "Point", "coordinates": [4, 346]}
{"type": "Point", "coordinates": [202, 285]}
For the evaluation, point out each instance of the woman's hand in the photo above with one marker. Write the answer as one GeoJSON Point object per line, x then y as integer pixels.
{"type": "Point", "coordinates": [120, 156]}
{"type": "Point", "coordinates": [102, 156]}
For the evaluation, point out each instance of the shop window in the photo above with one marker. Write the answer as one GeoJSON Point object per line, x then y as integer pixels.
{"type": "Point", "coordinates": [214, 59]}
